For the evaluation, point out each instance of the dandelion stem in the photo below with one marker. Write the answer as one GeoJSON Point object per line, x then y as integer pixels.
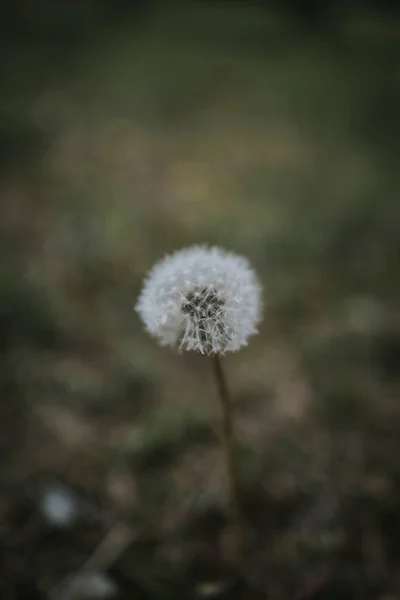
{"type": "Point", "coordinates": [230, 456]}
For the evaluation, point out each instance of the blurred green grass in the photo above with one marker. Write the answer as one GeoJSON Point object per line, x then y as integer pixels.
{"type": "Point", "coordinates": [223, 127]}
{"type": "Point", "coordinates": [186, 131]}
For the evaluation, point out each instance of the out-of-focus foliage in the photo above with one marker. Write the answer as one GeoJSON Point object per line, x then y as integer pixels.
{"type": "Point", "coordinates": [126, 133]}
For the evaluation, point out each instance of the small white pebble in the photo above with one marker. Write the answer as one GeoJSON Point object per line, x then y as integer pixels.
{"type": "Point", "coordinates": [59, 506]}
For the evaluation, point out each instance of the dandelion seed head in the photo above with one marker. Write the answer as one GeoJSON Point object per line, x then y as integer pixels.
{"type": "Point", "coordinates": [202, 299]}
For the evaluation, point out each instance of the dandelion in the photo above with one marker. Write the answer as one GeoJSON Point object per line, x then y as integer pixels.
{"type": "Point", "coordinates": [202, 299]}
{"type": "Point", "coordinates": [206, 300]}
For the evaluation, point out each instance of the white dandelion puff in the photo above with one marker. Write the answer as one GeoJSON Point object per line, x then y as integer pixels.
{"type": "Point", "coordinates": [202, 299]}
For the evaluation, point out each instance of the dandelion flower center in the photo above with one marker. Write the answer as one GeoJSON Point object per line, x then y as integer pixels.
{"type": "Point", "coordinates": [202, 304]}
{"type": "Point", "coordinates": [205, 310]}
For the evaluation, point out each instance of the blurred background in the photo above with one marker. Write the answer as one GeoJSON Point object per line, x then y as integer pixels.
{"type": "Point", "coordinates": [129, 130]}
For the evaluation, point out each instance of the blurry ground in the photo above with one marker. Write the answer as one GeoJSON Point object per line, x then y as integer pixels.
{"type": "Point", "coordinates": [218, 124]}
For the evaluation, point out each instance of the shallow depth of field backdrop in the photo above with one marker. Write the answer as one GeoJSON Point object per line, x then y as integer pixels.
{"type": "Point", "coordinates": [129, 131]}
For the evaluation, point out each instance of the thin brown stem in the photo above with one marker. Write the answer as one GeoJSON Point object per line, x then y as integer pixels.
{"type": "Point", "coordinates": [230, 456]}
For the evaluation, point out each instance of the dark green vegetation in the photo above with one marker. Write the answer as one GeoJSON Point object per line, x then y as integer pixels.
{"type": "Point", "coordinates": [122, 139]}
